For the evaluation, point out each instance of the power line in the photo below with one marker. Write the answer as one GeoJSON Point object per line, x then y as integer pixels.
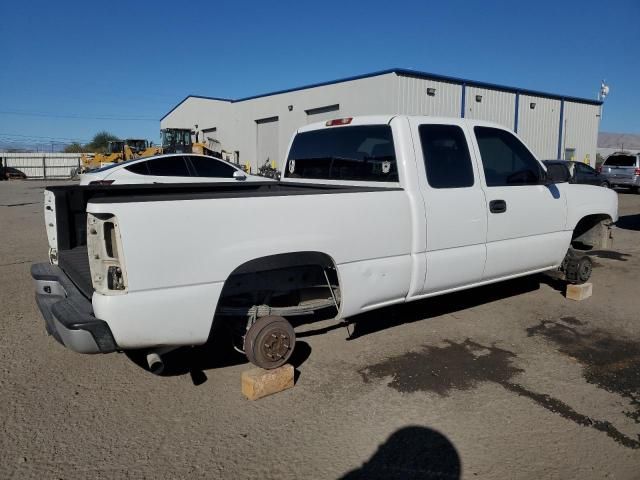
{"type": "Point", "coordinates": [83, 117]}
{"type": "Point", "coordinates": [5, 134]}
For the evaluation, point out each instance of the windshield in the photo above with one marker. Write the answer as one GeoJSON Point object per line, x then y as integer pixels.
{"type": "Point", "coordinates": [138, 145]}
{"type": "Point", "coordinates": [621, 161]}
{"type": "Point", "coordinates": [115, 147]}
{"type": "Point", "coordinates": [363, 153]}
{"type": "Point", "coordinates": [176, 137]}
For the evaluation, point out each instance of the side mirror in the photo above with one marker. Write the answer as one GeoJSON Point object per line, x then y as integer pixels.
{"type": "Point", "coordinates": [557, 173]}
{"type": "Point", "coordinates": [238, 175]}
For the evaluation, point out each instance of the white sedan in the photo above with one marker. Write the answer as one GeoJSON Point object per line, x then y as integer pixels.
{"type": "Point", "coordinates": [172, 168]}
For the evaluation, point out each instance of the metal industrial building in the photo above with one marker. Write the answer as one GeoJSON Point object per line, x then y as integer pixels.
{"type": "Point", "coordinates": [258, 129]}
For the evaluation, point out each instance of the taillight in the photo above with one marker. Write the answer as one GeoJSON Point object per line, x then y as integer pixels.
{"type": "Point", "coordinates": [636, 171]}
{"type": "Point", "coordinates": [599, 169]}
{"type": "Point", "coordinates": [339, 121]}
{"type": "Point", "coordinates": [101, 182]}
{"type": "Point", "coordinates": [105, 254]}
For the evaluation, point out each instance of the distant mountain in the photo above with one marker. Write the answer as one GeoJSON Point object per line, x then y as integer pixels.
{"type": "Point", "coordinates": [628, 141]}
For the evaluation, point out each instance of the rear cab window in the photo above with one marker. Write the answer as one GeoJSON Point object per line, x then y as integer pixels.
{"type": "Point", "coordinates": [357, 153]}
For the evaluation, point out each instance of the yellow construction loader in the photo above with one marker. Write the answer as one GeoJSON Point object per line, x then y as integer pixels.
{"type": "Point", "coordinates": [119, 151]}
{"type": "Point", "coordinates": [178, 140]}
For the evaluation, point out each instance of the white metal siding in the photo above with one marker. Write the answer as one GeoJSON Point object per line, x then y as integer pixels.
{"type": "Point", "coordinates": [365, 96]}
{"type": "Point", "coordinates": [495, 106]}
{"type": "Point", "coordinates": [412, 98]}
{"type": "Point", "coordinates": [538, 127]}
{"type": "Point", "coordinates": [204, 112]}
{"type": "Point", "coordinates": [390, 93]}
{"type": "Point", "coordinates": [580, 130]}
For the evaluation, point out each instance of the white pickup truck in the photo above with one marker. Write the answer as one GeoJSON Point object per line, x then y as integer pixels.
{"type": "Point", "coordinates": [370, 211]}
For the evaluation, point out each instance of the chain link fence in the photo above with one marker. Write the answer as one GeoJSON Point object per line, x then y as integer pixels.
{"type": "Point", "coordinates": [39, 165]}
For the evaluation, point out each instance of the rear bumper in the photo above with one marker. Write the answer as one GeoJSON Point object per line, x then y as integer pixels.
{"type": "Point", "coordinates": [68, 315]}
{"type": "Point", "coordinates": [624, 181]}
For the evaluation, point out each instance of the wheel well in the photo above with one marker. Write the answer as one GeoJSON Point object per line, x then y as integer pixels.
{"type": "Point", "coordinates": [284, 260]}
{"type": "Point", "coordinates": [281, 280]}
{"type": "Point", "coordinates": [592, 231]}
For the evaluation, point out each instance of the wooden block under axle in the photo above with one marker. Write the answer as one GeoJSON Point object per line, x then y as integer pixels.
{"type": "Point", "coordinates": [258, 383]}
{"type": "Point", "coordinates": [579, 292]}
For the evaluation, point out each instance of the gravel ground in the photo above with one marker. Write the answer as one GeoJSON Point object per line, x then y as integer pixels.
{"type": "Point", "coordinates": [506, 381]}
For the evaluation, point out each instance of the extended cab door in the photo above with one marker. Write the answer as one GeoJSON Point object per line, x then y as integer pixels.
{"type": "Point", "coordinates": [526, 219]}
{"type": "Point", "coordinates": [456, 211]}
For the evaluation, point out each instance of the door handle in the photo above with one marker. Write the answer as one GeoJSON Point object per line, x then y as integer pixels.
{"type": "Point", "coordinates": [497, 206]}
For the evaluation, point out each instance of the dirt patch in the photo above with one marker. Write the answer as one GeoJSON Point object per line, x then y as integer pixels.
{"type": "Point", "coordinates": [462, 366]}
{"type": "Point", "coordinates": [572, 320]}
{"type": "Point", "coordinates": [457, 366]}
{"type": "Point", "coordinates": [609, 362]}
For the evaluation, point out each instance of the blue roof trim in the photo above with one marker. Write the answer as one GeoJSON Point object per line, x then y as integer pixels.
{"type": "Point", "coordinates": [492, 86]}
{"type": "Point", "coordinates": [194, 96]}
{"type": "Point", "coordinates": [407, 73]}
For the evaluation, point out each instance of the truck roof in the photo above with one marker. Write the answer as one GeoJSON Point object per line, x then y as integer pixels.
{"type": "Point", "coordinates": [385, 119]}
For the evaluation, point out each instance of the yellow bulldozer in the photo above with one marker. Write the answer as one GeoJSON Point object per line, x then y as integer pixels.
{"type": "Point", "coordinates": [119, 151]}
{"type": "Point", "coordinates": [174, 140]}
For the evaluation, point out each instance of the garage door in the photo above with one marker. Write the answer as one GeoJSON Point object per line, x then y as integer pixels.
{"type": "Point", "coordinates": [267, 150]}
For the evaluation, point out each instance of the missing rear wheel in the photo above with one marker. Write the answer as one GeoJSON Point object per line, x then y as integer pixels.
{"type": "Point", "coordinates": [269, 342]}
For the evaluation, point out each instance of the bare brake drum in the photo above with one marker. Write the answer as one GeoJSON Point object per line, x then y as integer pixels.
{"type": "Point", "coordinates": [576, 268]}
{"type": "Point", "coordinates": [269, 342]}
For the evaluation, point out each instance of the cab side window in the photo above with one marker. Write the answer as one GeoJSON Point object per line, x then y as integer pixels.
{"type": "Point", "coordinates": [168, 167]}
{"type": "Point", "coordinates": [584, 169]}
{"type": "Point", "coordinates": [141, 168]}
{"type": "Point", "coordinates": [506, 161]}
{"type": "Point", "coordinates": [210, 167]}
{"type": "Point", "coordinates": [446, 156]}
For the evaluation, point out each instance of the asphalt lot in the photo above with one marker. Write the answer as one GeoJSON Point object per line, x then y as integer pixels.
{"type": "Point", "coordinates": [506, 381]}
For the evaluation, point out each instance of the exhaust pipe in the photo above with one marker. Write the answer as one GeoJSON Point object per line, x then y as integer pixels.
{"type": "Point", "coordinates": [154, 359]}
{"type": "Point", "coordinates": [155, 363]}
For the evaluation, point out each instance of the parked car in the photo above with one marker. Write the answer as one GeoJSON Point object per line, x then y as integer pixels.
{"type": "Point", "coordinates": [172, 168]}
{"type": "Point", "coordinates": [370, 211]}
{"type": "Point", "coordinates": [622, 169]}
{"type": "Point", "coordinates": [580, 172]}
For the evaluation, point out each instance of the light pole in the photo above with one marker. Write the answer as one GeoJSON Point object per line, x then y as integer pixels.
{"type": "Point", "coordinates": [602, 94]}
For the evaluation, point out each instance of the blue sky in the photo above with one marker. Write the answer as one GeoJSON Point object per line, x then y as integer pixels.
{"type": "Point", "coordinates": [69, 68]}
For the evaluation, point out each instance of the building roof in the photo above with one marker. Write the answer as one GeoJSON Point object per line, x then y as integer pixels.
{"type": "Point", "coordinates": [407, 73]}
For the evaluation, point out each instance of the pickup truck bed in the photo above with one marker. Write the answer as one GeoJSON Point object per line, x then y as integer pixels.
{"type": "Point", "coordinates": [71, 203]}
{"type": "Point", "coordinates": [75, 263]}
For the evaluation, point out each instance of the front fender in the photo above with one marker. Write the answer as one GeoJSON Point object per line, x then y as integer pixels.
{"type": "Point", "coordinates": [585, 200]}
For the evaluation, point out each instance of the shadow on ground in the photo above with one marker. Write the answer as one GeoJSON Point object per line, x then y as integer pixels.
{"type": "Point", "coordinates": [410, 453]}
{"type": "Point", "coordinates": [629, 222]}
{"type": "Point", "coordinates": [390, 317]}
{"type": "Point", "coordinates": [218, 352]}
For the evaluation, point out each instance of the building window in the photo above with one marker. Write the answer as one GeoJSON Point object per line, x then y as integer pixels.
{"type": "Point", "coordinates": [319, 110]}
